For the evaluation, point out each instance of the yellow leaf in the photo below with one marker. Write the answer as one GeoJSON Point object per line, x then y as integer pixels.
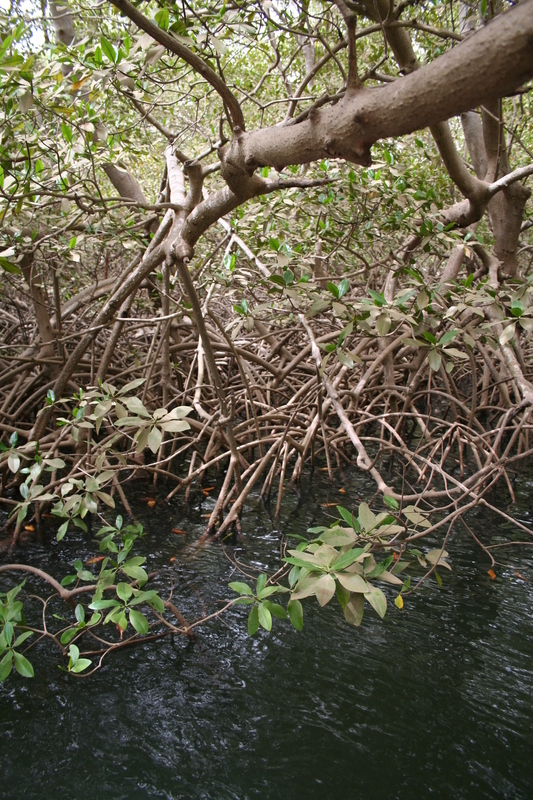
{"type": "Point", "coordinates": [399, 602]}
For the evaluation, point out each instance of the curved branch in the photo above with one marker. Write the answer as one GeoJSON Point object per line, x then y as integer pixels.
{"type": "Point", "coordinates": [194, 61]}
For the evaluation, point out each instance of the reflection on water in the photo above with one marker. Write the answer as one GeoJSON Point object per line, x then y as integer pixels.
{"type": "Point", "coordinates": [434, 701]}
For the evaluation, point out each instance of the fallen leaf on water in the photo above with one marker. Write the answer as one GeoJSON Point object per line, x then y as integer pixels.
{"type": "Point", "coordinates": [150, 502]}
{"type": "Point", "coordinates": [396, 557]}
{"type": "Point", "coordinates": [206, 515]}
{"type": "Point", "coordinates": [178, 530]}
{"type": "Point", "coordinates": [95, 560]}
{"type": "Point", "coordinates": [328, 505]}
{"type": "Point", "coordinates": [342, 491]}
{"type": "Point", "coordinates": [207, 489]}
{"type": "Point", "coordinates": [518, 575]}
{"type": "Point", "coordinates": [172, 559]}
{"type": "Point", "coordinates": [29, 528]}
{"type": "Point", "coordinates": [492, 574]}
{"type": "Point", "coordinates": [399, 602]}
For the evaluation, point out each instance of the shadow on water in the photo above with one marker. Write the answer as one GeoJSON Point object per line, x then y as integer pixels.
{"type": "Point", "coordinates": [434, 701]}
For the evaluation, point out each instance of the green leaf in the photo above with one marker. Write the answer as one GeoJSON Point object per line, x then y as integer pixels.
{"type": "Point", "coordinates": [268, 590]}
{"type": "Point", "coordinates": [139, 622]}
{"type": "Point", "coordinates": [8, 266]}
{"type": "Point", "coordinates": [157, 604]}
{"type": "Point", "coordinates": [240, 588]}
{"type": "Point", "coordinates": [6, 665]}
{"type": "Point", "coordinates": [66, 130]}
{"type": "Point", "coordinates": [349, 518]}
{"type": "Point", "coordinates": [261, 582]}
{"type": "Point", "coordinates": [350, 557]}
{"type": "Point", "coordinates": [343, 595]}
{"type": "Point", "coordinates": [8, 633]}
{"type": "Point", "coordinates": [448, 337]}
{"type": "Point", "coordinates": [253, 621]}
{"type": "Point", "coordinates": [342, 288]}
{"type": "Point", "coordinates": [264, 617]}
{"type": "Point", "coordinates": [137, 573]}
{"type": "Point", "coordinates": [80, 665]}
{"type": "Point", "coordinates": [22, 638]}
{"type": "Point", "coordinates": [288, 277]}
{"type": "Point", "coordinates": [97, 605]}
{"type": "Point", "coordinates": [296, 614]}
{"type": "Point", "coordinates": [162, 18]}
{"type": "Point", "coordinates": [124, 591]}
{"type": "Point", "coordinates": [68, 635]}
{"type": "Point", "coordinates": [307, 561]}
{"type": "Point", "coordinates": [378, 298]}
{"type": "Point", "coordinates": [390, 502]}
{"type": "Point", "coordinates": [275, 609]}
{"type": "Point", "coordinates": [107, 49]}
{"type": "Point", "coordinates": [22, 665]}
{"type": "Point", "coordinates": [85, 575]}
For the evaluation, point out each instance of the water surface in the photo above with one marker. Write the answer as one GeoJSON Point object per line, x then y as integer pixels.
{"type": "Point", "coordinates": [434, 701]}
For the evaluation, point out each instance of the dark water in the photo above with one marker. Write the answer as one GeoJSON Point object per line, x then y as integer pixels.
{"type": "Point", "coordinates": [433, 701]}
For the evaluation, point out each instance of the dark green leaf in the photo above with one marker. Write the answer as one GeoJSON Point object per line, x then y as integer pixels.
{"type": "Point", "coordinates": [296, 614]}
{"type": "Point", "coordinates": [107, 49]}
{"type": "Point", "coordinates": [23, 666]}
{"type": "Point", "coordinates": [253, 621]}
{"type": "Point", "coordinates": [348, 558]}
{"type": "Point", "coordinates": [342, 288]}
{"type": "Point", "coordinates": [275, 609]}
{"type": "Point", "coordinates": [390, 502]}
{"type": "Point", "coordinates": [6, 665]}
{"type": "Point", "coordinates": [68, 635]}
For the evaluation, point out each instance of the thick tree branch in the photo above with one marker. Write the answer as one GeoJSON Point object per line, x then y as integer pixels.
{"type": "Point", "coordinates": [490, 63]}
